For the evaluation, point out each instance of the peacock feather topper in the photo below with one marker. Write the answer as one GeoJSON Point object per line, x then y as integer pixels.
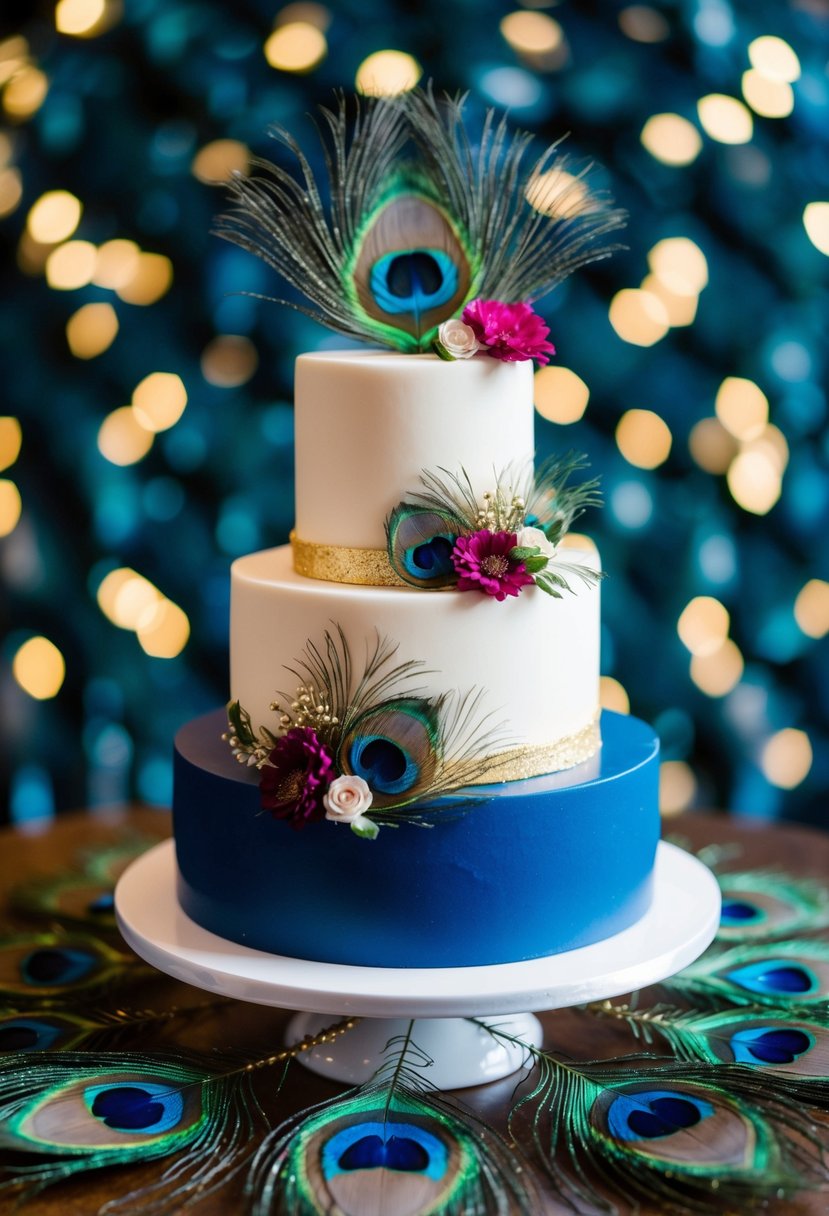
{"type": "Point", "coordinates": [416, 221]}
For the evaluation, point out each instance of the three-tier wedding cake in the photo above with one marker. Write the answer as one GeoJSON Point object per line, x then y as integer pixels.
{"type": "Point", "coordinates": [414, 679]}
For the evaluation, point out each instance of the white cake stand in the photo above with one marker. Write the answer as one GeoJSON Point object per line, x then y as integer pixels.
{"type": "Point", "coordinates": [680, 924]}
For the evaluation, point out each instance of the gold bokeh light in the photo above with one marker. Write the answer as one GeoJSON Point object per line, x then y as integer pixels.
{"type": "Point", "coordinates": [643, 438]}
{"type": "Point", "coordinates": [387, 73]}
{"type": "Point", "coordinates": [816, 223]}
{"type": "Point", "coordinates": [677, 787]}
{"type": "Point", "coordinates": [774, 58]}
{"type": "Point", "coordinates": [532, 33]}
{"type": "Point", "coordinates": [638, 317]}
{"type": "Point", "coordinates": [54, 217]}
{"type": "Point", "coordinates": [39, 668]}
{"type": "Point", "coordinates": [711, 445]}
{"type": "Point", "coordinates": [725, 119]}
{"type": "Point", "coordinates": [811, 608]}
{"type": "Point", "coordinates": [71, 266]}
{"type": "Point", "coordinates": [787, 758]}
{"type": "Point", "coordinates": [219, 160]}
{"type": "Point", "coordinates": [672, 139]}
{"type": "Point", "coordinates": [91, 330]}
{"type": "Point", "coordinates": [164, 630]}
{"type": "Point", "coordinates": [25, 93]}
{"type": "Point", "coordinates": [681, 309]}
{"type": "Point", "coordinates": [11, 507]}
{"type": "Point", "coordinates": [11, 440]}
{"type": "Point", "coordinates": [11, 190]}
{"type": "Point", "coordinates": [560, 395]}
{"type": "Point", "coordinates": [152, 278]}
{"type": "Point", "coordinates": [719, 671]}
{"type": "Point", "coordinates": [703, 625]}
{"type": "Point", "coordinates": [680, 264]}
{"type": "Point", "coordinates": [556, 192]}
{"type": "Point", "coordinates": [229, 360]}
{"type": "Point", "coordinates": [755, 481]}
{"type": "Point", "coordinates": [612, 695]}
{"type": "Point", "coordinates": [768, 98]}
{"type": "Point", "coordinates": [296, 47]}
{"type": "Point", "coordinates": [122, 439]}
{"type": "Point", "coordinates": [116, 263]}
{"type": "Point", "coordinates": [159, 401]}
{"type": "Point", "coordinates": [86, 18]}
{"type": "Point", "coordinates": [742, 407]}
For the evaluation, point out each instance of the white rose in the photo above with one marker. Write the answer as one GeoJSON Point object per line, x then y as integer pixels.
{"type": "Point", "coordinates": [534, 538]}
{"type": "Point", "coordinates": [346, 799]}
{"type": "Point", "coordinates": [458, 339]}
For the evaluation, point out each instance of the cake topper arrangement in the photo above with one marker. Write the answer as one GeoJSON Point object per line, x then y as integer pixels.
{"type": "Point", "coordinates": [445, 536]}
{"type": "Point", "coordinates": [421, 238]}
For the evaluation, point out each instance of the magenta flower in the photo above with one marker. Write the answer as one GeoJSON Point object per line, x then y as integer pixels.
{"type": "Point", "coordinates": [296, 778]}
{"type": "Point", "coordinates": [483, 563]}
{"type": "Point", "coordinates": [510, 332]}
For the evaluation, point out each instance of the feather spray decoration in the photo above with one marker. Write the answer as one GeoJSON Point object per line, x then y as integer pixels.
{"type": "Point", "coordinates": [758, 905]}
{"type": "Point", "coordinates": [24, 1031]}
{"type": "Point", "coordinates": [792, 1048]}
{"type": "Point", "coordinates": [532, 225]}
{"type": "Point", "coordinates": [418, 223]}
{"type": "Point", "coordinates": [683, 1137]}
{"type": "Point", "coordinates": [75, 1112]}
{"type": "Point", "coordinates": [78, 1112]}
{"type": "Point", "coordinates": [421, 531]}
{"type": "Point", "coordinates": [391, 1146]}
{"type": "Point", "coordinates": [49, 967]}
{"type": "Point", "coordinates": [783, 975]}
{"type": "Point", "coordinates": [379, 726]}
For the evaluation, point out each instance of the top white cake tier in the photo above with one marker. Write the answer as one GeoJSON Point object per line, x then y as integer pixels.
{"type": "Point", "coordinates": [368, 423]}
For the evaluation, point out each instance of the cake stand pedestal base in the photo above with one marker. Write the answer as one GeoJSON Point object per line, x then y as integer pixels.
{"type": "Point", "coordinates": [679, 925]}
{"type": "Point", "coordinates": [461, 1051]}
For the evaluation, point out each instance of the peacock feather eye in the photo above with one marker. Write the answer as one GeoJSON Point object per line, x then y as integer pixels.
{"type": "Point", "coordinates": [394, 748]}
{"type": "Point", "coordinates": [34, 966]}
{"type": "Point", "coordinates": [760, 905]}
{"type": "Point", "coordinates": [420, 543]}
{"type": "Point", "coordinates": [740, 912]}
{"type": "Point", "coordinates": [680, 1125]}
{"type": "Point", "coordinates": [410, 266]}
{"type": "Point", "coordinates": [770, 1045]}
{"type": "Point", "coordinates": [776, 977]}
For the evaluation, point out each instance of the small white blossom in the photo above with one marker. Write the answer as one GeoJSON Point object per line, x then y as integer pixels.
{"type": "Point", "coordinates": [346, 799]}
{"type": "Point", "coordinates": [458, 339]}
{"type": "Point", "coordinates": [534, 538]}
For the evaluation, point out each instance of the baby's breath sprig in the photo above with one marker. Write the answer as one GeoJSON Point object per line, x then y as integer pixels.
{"type": "Point", "coordinates": [502, 511]}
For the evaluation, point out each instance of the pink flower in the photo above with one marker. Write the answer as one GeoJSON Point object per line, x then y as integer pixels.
{"type": "Point", "coordinates": [510, 332]}
{"type": "Point", "coordinates": [296, 778]}
{"type": "Point", "coordinates": [483, 564]}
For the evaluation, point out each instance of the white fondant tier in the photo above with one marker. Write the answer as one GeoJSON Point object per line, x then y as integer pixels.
{"type": "Point", "coordinates": [369, 423]}
{"type": "Point", "coordinates": [537, 658]}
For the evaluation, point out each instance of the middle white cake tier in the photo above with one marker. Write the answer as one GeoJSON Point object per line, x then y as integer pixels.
{"type": "Point", "coordinates": [536, 658]}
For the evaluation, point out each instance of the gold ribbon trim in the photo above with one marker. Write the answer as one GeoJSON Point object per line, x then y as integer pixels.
{"type": "Point", "coordinates": [342, 564]}
{"type": "Point", "coordinates": [534, 760]}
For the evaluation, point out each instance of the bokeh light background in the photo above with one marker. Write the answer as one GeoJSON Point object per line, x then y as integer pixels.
{"type": "Point", "coordinates": [146, 437]}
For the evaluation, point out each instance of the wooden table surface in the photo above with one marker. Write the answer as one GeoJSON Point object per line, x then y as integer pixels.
{"type": "Point", "coordinates": [46, 850]}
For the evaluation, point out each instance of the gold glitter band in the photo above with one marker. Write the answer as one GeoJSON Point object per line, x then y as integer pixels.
{"type": "Point", "coordinates": [342, 564]}
{"type": "Point", "coordinates": [534, 760]}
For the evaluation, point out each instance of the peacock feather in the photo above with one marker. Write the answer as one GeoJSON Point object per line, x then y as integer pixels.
{"type": "Point", "coordinates": [421, 531]}
{"type": "Point", "coordinates": [683, 1137]}
{"type": "Point", "coordinates": [392, 1146]}
{"type": "Point", "coordinates": [379, 725]}
{"type": "Point", "coordinates": [83, 896]}
{"type": "Point", "coordinates": [783, 975]}
{"type": "Point", "coordinates": [78, 1112]}
{"type": "Point", "coordinates": [415, 218]}
{"type": "Point", "coordinates": [758, 905]}
{"type": "Point", "coordinates": [53, 1029]}
{"type": "Point", "coordinates": [49, 967]}
{"type": "Point", "coordinates": [793, 1048]}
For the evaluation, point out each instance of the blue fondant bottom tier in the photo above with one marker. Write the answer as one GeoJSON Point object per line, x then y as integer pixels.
{"type": "Point", "coordinates": [536, 867]}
